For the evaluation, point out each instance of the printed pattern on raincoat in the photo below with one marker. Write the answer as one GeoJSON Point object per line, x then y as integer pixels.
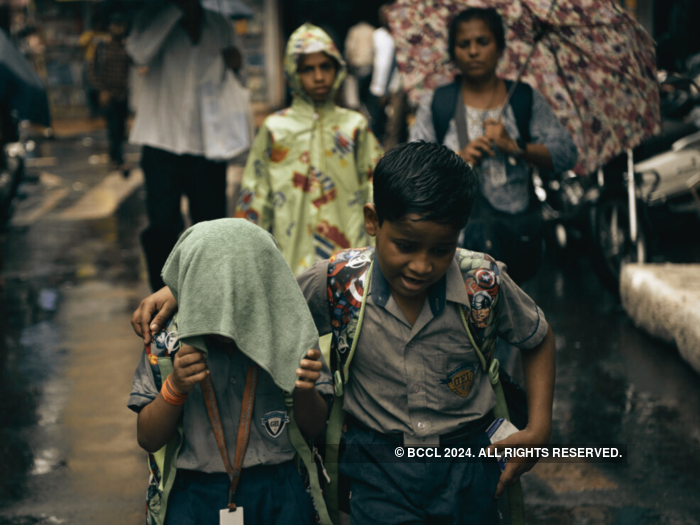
{"type": "Point", "coordinates": [310, 169]}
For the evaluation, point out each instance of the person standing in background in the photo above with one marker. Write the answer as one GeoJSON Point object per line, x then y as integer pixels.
{"type": "Point", "coordinates": [89, 40]}
{"type": "Point", "coordinates": [175, 46]}
{"type": "Point", "coordinates": [109, 75]}
{"type": "Point", "coordinates": [387, 103]}
{"type": "Point", "coordinates": [359, 56]}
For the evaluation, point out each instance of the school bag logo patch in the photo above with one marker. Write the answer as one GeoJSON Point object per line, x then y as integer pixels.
{"type": "Point", "coordinates": [460, 380]}
{"type": "Point", "coordinates": [274, 422]}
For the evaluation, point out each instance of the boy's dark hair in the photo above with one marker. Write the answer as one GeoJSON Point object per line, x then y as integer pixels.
{"type": "Point", "coordinates": [487, 15]}
{"type": "Point", "coordinates": [426, 179]}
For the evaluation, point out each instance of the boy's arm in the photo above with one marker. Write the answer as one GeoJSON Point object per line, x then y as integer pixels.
{"type": "Point", "coordinates": [314, 286]}
{"type": "Point", "coordinates": [158, 420]}
{"type": "Point", "coordinates": [522, 324]}
{"type": "Point", "coordinates": [255, 199]}
{"type": "Point", "coordinates": [538, 367]}
{"type": "Point", "coordinates": [310, 409]}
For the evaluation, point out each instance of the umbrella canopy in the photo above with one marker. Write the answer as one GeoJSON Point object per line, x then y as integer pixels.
{"type": "Point", "coordinates": [20, 87]}
{"type": "Point", "coordinates": [591, 60]}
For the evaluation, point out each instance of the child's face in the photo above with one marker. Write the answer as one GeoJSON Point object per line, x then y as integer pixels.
{"type": "Point", "coordinates": [317, 73]}
{"type": "Point", "coordinates": [413, 254]}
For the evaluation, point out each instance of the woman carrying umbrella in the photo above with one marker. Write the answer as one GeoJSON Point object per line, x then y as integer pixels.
{"type": "Point", "coordinates": [501, 144]}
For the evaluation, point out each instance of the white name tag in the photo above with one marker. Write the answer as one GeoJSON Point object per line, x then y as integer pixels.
{"type": "Point", "coordinates": [231, 518]}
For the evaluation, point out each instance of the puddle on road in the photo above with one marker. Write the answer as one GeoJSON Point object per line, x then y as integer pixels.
{"type": "Point", "coordinates": [30, 358]}
{"type": "Point", "coordinates": [35, 264]}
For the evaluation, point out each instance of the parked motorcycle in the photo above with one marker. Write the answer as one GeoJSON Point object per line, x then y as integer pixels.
{"type": "Point", "coordinates": [618, 217]}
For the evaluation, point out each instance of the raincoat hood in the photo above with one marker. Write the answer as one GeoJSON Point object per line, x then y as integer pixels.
{"type": "Point", "coordinates": [305, 40]}
{"type": "Point", "coordinates": [229, 278]}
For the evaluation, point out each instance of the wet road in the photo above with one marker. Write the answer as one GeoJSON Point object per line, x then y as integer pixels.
{"type": "Point", "coordinates": [71, 274]}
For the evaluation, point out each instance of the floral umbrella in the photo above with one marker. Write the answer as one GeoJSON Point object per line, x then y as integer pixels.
{"type": "Point", "coordinates": [590, 59]}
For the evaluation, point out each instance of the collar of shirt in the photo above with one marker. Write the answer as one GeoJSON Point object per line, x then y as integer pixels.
{"type": "Point", "coordinates": [450, 287]}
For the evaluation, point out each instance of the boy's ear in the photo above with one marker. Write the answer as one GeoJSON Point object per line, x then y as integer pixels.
{"type": "Point", "coordinates": [371, 219]}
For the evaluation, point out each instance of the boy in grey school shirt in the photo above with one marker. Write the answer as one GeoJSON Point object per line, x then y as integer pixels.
{"type": "Point", "coordinates": [412, 341]}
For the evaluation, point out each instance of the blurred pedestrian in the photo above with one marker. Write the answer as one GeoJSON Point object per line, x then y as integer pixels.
{"type": "Point", "coordinates": [384, 73]}
{"type": "Point", "coordinates": [506, 221]}
{"type": "Point", "coordinates": [89, 40]}
{"type": "Point", "coordinates": [309, 172]}
{"type": "Point", "coordinates": [359, 57]}
{"type": "Point", "coordinates": [109, 75]}
{"type": "Point", "coordinates": [179, 43]}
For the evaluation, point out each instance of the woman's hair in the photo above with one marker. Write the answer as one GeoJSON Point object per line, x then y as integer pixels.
{"type": "Point", "coordinates": [489, 16]}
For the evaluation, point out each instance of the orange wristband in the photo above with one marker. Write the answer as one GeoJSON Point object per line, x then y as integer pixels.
{"type": "Point", "coordinates": [171, 396]}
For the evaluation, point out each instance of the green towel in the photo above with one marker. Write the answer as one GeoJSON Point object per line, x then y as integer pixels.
{"type": "Point", "coordinates": [229, 278]}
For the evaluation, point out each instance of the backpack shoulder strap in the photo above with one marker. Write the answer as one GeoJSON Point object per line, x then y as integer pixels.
{"type": "Point", "coordinates": [347, 286]}
{"type": "Point", "coordinates": [443, 108]}
{"type": "Point", "coordinates": [521, 102]}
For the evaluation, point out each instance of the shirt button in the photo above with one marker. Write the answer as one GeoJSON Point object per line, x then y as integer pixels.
{"type": "Point", "coordinates": [416, 388]}
{"type": "Point", "coordinates": [232, 380]}
{"type": "Point", "coordinates": [421, 425]}
{"type": "Point", "coordinates": [411, 344]}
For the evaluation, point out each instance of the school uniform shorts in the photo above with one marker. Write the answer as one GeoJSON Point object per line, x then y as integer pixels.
{"type": "Point", "coordinates": [417, 492]}
{"type": "Point", "coordinates": [271, 494]}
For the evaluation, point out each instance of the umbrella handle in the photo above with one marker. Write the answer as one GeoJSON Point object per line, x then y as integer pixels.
{"type": "Point", "coordinates": [516, 82]}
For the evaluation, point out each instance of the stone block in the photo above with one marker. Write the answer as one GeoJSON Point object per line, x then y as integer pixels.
{"type": "Point", "coordinates": [664, 301]}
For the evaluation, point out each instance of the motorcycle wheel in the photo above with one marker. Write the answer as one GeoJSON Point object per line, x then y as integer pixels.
{"type": "Point", "coordinates": [611, 245]}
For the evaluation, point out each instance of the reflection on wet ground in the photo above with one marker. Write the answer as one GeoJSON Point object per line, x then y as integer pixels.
{"type": "Point", "coordinates": [614, 384]}
{"type": "Point", "coordinates": [40, 263]}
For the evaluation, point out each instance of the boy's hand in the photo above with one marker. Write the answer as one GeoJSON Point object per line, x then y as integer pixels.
{"type": "Point", "coordinates": [159, 307]}
{"type": "Point", "coordinates": [310, 370]}
{"type": "Point", "coordinates": [516, 467]}
{"type": "Point", "coordinates": [189, 368]}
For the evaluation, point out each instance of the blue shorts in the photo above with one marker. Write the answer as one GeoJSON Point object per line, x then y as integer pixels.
{"type": "Point", "coordinates": [272, 495]}
{"type": "Point", "coordinates": [413, 493]}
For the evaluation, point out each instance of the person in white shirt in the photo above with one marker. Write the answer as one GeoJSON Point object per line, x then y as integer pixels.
{"type": "Point", "coordinates": [385, 79]}
{"type": "Point", "coordinates": [359, 56]}
{"type": "Point", "coordinates": [175, 45]}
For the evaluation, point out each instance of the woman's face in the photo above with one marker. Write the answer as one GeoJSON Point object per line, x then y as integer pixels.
{"type": "Point", "coordinates": [476, 52]}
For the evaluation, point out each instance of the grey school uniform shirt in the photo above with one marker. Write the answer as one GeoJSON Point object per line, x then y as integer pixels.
{"type": "Point", "coordinates": [399, 373]}
{"type": "Point", "coordinates": [269, 442]}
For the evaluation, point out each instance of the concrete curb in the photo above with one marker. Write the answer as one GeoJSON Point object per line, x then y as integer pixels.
{"type": "Point", "coordinates": [664, 301]}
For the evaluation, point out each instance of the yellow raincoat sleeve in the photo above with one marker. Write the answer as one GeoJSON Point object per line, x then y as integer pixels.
{"type": "Point", "coordinates": [368, 152]}
{"type": "Point", "coordinates": [255, 199]}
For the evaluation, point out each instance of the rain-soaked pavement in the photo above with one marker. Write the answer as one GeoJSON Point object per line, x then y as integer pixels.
{"type": "Point", "coordinates": [71, 274]}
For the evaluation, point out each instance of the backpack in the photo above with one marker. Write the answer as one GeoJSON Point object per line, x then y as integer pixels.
{"type": "Point", "coordinates": [445, 102]}
{"type": "Point", "coordinates": [163, 463]}
{"type": "Point", "coordinates": [348, 282]}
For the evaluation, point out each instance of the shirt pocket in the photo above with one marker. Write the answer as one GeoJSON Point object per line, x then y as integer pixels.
{"type": "Point", "coordinates": [456, 368]}
{"type": "Point", "coordinates": [272, 421]}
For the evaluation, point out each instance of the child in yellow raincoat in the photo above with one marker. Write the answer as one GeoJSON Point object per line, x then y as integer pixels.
{"type": "Point", "coordinates": [310, 169]}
